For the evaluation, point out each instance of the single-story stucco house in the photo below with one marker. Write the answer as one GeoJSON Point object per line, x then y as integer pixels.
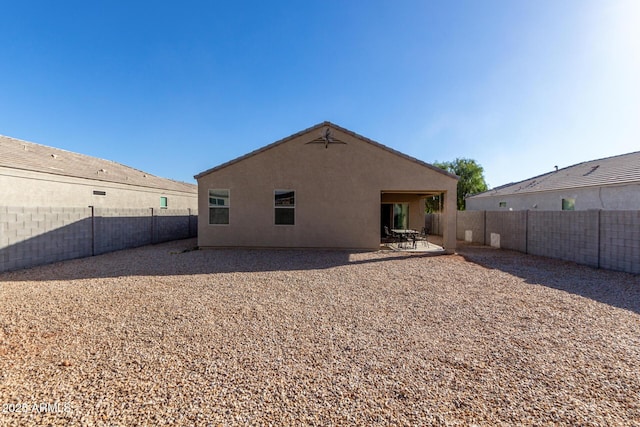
{"type": "Point", "coordinates": [34, 175]}
{"type": "Point", "coordinates": [323, 187]}
{"type": "Point", "coordinates": [612, 183]}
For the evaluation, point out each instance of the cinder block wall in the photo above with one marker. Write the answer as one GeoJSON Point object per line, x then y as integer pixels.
{"type": "Point", "coordinates": [620, 240]}
{"type": "Point", "coordinates": [34, 236]}
{"type": "Point", "coordinates": [605, 239]}
{"type": "Point", "coordinates": [572, 236]}
{"type": "Point", "coordinates": [433, 224]}
{"type": "Point", "coordinates": [470, 224]}
{"type": "Point", "coordinates": [511, 226]}
{"type": "Point", "coordinates": [117, 229]}
{"type": "Point", "coordinates": [173, 224]}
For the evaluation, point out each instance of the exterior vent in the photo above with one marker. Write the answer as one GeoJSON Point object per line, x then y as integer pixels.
{"type": "Point", "coordinates": [593, 169]}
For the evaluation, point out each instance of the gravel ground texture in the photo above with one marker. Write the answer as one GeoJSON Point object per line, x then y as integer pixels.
{"type": "Point", "coordinates": [165, 335]}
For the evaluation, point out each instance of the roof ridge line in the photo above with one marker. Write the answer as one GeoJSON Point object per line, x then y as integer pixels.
{"type": "Point", "coordinates": [317, 126]}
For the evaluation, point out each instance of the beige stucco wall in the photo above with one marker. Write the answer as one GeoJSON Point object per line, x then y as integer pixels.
{"type": "Point", "coordinates": [34, 189]}
{"type": "Point", "coordinates": [614, 197]}
{"type": "Point", "coordinates": [338, 192]}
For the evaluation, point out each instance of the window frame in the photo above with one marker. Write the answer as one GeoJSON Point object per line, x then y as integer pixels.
{"type": "Point", "coordinates": [568, 204]}
{"type": "Point", "coordinates": [226, 206]}
{"type": "Point", "coordinates": [289, 207]}
{"type": "Point", "coordinates": [164, 205]}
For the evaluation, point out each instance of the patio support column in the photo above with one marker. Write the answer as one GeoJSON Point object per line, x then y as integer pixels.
{"type": "Point", "coordinates": [450, 211]}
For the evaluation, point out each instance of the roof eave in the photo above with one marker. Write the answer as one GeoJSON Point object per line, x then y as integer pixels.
{"type": "Point", "coordinates": [569, 187]}
{"type": "Point", "coordinates": [258, 151]}
{"type": "Point", "coordinates": [318, 126]}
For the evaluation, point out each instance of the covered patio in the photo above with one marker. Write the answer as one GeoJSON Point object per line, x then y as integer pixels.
{"type": "Point", "coordinates": [402, 222]}
{"type": "Point", "coordinates": [433, 245]}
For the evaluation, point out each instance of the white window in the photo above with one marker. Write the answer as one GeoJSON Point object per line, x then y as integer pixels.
{"type": "Point", "coordinates": [219, 202]}
{"type": "Point", "coordinates": [284, 202]}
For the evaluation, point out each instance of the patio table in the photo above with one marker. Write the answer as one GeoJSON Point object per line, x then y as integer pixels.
{"type": "Point", "coordinates": [407, 233]}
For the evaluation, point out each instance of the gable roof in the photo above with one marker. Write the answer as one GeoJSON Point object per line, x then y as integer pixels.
{"type": "Point", "coordinates": [318, 139]}
{"type": "Point", "coordinates": [23, 155]}
{"type": "Point", "coordinates": [616, 170]}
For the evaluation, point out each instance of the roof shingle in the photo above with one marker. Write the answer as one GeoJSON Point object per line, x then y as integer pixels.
{"type": "Point", "coordinates": [18, 154]}
{"type": "Point", "coordinates": [616, 170]}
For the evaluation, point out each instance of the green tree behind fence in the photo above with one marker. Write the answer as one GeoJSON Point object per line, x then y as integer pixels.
{"type": "Point", "coordinates": [471, 182]}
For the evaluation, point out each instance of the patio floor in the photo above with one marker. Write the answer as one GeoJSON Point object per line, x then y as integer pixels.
{"type": "Point", "coordinates": [434, 246]}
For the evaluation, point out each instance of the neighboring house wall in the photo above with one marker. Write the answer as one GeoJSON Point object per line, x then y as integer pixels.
{"type": "Point", "coordinates": [338, 194]}
{"type": "Point", "coordinates": [615, 197]}
{"type": "Point", "coordinates": [35, 189]}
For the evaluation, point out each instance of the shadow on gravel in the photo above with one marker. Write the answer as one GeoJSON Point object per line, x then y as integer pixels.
{"type": "Point", "coordinates": [182, 257]}
{"type": "Point", "coordinates": [614, 288]}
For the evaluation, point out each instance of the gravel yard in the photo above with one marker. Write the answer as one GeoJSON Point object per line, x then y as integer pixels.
{"type": "Point", "coordinates": [162, 336]}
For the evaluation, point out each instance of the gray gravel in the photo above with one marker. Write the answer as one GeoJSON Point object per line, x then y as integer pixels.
{"type": "Point", "coordinates": [162, 336]}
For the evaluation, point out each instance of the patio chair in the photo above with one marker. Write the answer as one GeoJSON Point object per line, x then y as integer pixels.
{"type": "Point", "coordinates": [404, 240]}
{"type": "Point", "coordinates": [396, 238]}
{"type": "Point", "coordinates": [414, 238]}
{"type": "Point", "coordinates": [390, 236]}
{"type": "Point", "coordinates": [423, 236]}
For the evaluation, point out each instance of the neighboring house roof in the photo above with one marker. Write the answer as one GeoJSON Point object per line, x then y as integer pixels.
{"type": "Point", "coordinates": [616, 170]}
{"type": "Point", "coordinates": [18, 154]}
{"type": "Point", "coordinates": [330, 140]}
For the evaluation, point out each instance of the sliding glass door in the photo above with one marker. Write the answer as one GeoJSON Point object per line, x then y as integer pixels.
{"type": "Point", "coordinates": [394, 216]}
{"type": "Point", "coordinates": [401, 215]}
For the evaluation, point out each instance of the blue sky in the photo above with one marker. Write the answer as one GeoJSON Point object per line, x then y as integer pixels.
{"type": "Point", "coordinates": [175, 88]}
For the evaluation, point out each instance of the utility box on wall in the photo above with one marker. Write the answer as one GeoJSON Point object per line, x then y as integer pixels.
{"type": "Point", "coordinates": [495, 240]}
